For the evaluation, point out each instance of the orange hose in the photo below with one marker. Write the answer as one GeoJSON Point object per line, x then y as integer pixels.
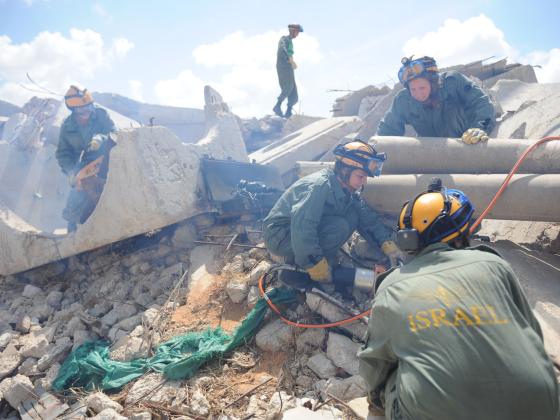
{"type": "Point", "coordinates": [508, 178]}
{"type": "Point", "coordinates": [297, 324]}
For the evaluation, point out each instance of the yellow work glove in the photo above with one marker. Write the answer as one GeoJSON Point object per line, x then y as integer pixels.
{"type": "Point", "coordinates": [474, 135]}
{"type": "Point", "coordinates": [392, 251]}
{"type": "Point", "coordinates": [320, 271]}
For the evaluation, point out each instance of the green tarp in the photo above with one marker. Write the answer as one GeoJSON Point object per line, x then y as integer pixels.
{"type": "Point", "coordinates": [89, 366]}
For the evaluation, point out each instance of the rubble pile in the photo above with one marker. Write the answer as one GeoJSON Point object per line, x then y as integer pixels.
{"type": "Point", "coordinates": [136, 295]}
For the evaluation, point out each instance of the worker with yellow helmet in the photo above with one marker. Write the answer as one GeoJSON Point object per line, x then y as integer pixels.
{"type": "Point", "coordinates": [82, 132]}
{"type": "Point", "coordinates": [318, 213]}
{"type": "Point", "coordinates": [452, 335]}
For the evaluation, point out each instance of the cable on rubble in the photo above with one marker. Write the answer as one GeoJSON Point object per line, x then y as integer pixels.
{"type": "Point", "coordinates": [493, 202]}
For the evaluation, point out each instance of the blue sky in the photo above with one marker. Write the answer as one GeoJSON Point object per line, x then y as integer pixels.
{"type": "Point", "coordinates": [165, 51]}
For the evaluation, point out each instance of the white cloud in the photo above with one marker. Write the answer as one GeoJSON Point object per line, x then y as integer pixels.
{"type": "Point", "coordinates": [136, 90]}
{"type": "Point", "coordinates": [248, 82]}
{"type": "Point", "coordinates": [55, 61]}
{"type": "Point", "coordinates": [185, 90]}
{"type": "Point", "coordinates": [457, 42]}
{"type": "Point", "coordinates": [548, 62]}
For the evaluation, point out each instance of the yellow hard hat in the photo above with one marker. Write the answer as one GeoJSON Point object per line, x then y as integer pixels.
{"type": "Point", "coordinates": [76, 97]}
{"type": "Point", "coordinates": [437, 215]}
{"type": "Point", "coordinates": [360, 155]}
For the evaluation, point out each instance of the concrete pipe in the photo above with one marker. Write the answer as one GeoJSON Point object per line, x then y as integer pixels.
{"type": "Point", "coordinates": [451, 156]}
{"type": "Point", "coordinates": [528, 196]}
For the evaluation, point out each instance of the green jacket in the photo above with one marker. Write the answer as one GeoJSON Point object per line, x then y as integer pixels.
{"type": "Point", "coordinates": [319, 194]}
{"type": "Point", "coordinates": [458, 331]}
{"type": "Point", "coordinates": [460, 105]}
{"type": "Point", "coordinates": [285, 51]}
{"type": "Point", "coordinates": [74, 139]}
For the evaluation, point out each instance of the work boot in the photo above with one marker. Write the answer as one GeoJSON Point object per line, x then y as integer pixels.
{"type": "Point", "coordinates": [288, 113]}
{"type": "Point", "coordinates": [277, 109]}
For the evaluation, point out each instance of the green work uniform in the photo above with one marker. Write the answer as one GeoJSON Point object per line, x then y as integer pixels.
{"type": "Point", "coordinates": [286, 77]}
{"type": "Point", "coordinates": [452, 336]}
{"type": "Point", "coordinates": [316, 216]}
{"type": "Point", "coordinates": [459, 104]}
{"type": "Point", "coordinates": [73, 140]}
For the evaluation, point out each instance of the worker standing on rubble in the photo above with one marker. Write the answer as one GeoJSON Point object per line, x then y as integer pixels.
{"type": "Point", "coordinates": [318, 213]}
{"type": "Point", "coordinates": [452, 335]}
{"type": "Point", "coordinates": [285, 66]}
{"type": "Point", "coordinates": [438, 104]}
{"type": "Point", "coordinates": [83, 131]}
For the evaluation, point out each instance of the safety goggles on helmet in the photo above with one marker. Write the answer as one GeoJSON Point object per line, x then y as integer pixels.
{"type": "Point", "coordinates": [362, 156]}
{"type": "Point", "coordinates": [412, 69]}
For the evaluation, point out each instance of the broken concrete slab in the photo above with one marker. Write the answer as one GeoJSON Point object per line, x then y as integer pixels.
{"type": "Point", "coordinates": [165, 176]}
{"type": "Point", "coordinates": [17, 389]}
{"type": "Point", "coordinates": [308, 143]}
{"type": "Point", "coordinates": [349, 104]}
{"type": "Point", "coordinates": [188, 124]}
{"type": "Point", "coordinates": [343, 353]}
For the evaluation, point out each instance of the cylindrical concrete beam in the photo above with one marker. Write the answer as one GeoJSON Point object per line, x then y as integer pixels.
{"type": "Point", "coordinates": [451, 156]}
{"type": "Point", "coordinates": [528, 197]}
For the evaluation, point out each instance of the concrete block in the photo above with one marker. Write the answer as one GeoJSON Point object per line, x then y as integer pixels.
{"type": "Point", "coordinates": [343, 353]}
{"type": "Point", "coordinates": [9, 363]}
{"type": "Point", "coordinates": [56, 353]}
{"type": "Point", "coordinates": [322, 366]}
{"type": "Point", "coordinates": [274, 336]}
{"type": "Point", "coordinates": [17, 390]}
{"type": "Point", "coordinates": [34, 345]}
{"type": "Point", "coordinates": [99, 402]}
{"type": "Point", "coordinates": [30, 291]}
{"type": "Point", "coordinates": [237, 291]}
{"type": "Point", "coordinates": [308, 143]}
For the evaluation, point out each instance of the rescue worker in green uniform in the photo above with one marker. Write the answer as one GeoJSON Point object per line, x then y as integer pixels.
{"type": "Point", "coordinates": [318, 213]}
{"type": "Point", "coordinates": [285, 66]}
{"type": "Point", "coordinates": [451, 335]}
{"type": "Point", "coordinates": [83, 131]}
{"type": "Point", "coordinates": [438, 104]}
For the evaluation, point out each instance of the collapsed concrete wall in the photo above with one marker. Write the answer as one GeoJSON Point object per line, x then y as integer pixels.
{"type": "Point", "coordinates": [153, 181]}
{"type": "Point", "coordinates": [187, 123]}
{"type": "Point", "coordinates": [531, 110]}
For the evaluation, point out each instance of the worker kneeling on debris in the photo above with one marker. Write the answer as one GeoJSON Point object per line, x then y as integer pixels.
{"type": "Point", "coordinates": [82, 153]}
{"type": "Point", "coordinates": [438, 104]}
{"type": "Point", "coordinates": [318, 213]}
{"type": "Point", "coordinates": [452, 335]}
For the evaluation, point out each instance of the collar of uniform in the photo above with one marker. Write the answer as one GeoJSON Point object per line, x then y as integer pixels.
{"type": "Point", "coordinates": [337, 188]}
{"type": "Point", "coordinates": [438, 246]}
{"type": "Point", "coordinates": [92, 117]}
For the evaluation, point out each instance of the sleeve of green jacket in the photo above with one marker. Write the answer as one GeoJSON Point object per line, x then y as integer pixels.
{"type": "Point", "coordinates": [477, 104]}
{"type": "Point", "coordinates": [393, 122]}
{"type": "Point", "coordinates": [377, 359]}
{"type": "Point", "coordinates": [370, 227]}
{"type": "Point", "coordinates": [106, 124]}
{"type": "Point", "coordinates": [305, 218]}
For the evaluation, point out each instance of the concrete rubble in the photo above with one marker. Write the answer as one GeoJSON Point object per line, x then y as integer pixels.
{"type": "Point", "coordinates": [136, 275]}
